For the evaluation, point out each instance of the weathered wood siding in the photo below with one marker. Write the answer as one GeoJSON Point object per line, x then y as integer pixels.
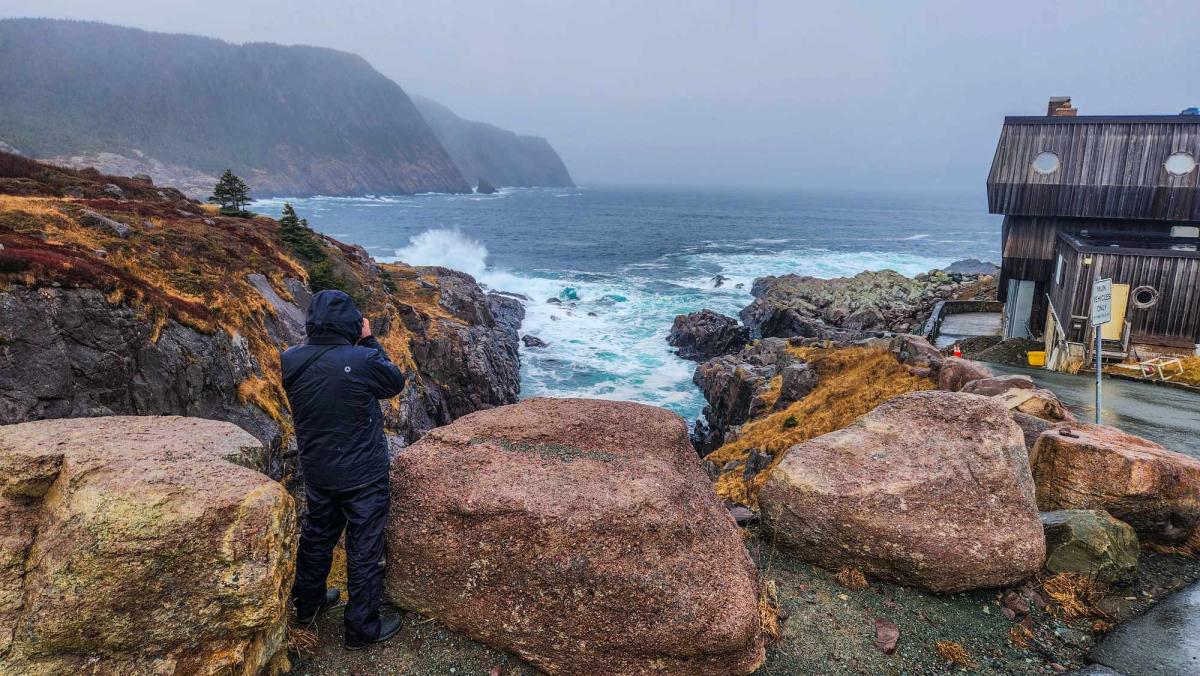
{"type": "Point", "coordinates": [1111, 167]}
{"type": "Point", "coordinates": [1028, 244]}
{"type": "Point", "coordinates": [1173, 320]}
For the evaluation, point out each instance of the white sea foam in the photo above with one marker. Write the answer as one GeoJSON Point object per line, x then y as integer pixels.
{"type": "Point", "coordinates": [610, 343]}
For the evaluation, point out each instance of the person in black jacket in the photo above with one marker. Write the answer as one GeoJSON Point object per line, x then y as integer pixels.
{"type": "Point", "coordinates": [334, 382]}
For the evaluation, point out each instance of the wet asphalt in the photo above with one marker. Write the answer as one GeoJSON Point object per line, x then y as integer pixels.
{"type": "Point", "coordinates": [1164, 415]}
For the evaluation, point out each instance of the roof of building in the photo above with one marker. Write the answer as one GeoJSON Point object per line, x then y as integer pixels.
{"type": "Point", "coordinates": [1133, 244]}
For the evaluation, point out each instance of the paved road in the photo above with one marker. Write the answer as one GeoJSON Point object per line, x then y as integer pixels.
{"type": "Point", "coordinates": [1168, 416]}
{"type": "Point", "coordinates": [1164, 641]}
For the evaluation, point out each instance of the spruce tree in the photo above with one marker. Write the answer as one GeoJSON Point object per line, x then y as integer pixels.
{"type": "Point", "coordinates": [231, 192]}
{"type": "Point", "coordinates": [294, 231]}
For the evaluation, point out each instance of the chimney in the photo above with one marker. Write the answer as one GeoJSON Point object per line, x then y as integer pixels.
{"type": "Point", "coordinates": [1060, 106]}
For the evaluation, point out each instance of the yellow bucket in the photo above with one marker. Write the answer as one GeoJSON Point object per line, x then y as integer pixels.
{"type": "Point", "coordinates": [1036, 358]}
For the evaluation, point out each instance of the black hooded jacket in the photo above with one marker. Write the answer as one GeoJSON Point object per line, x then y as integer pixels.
{"type": "Point", "coordinates": [335, 398]}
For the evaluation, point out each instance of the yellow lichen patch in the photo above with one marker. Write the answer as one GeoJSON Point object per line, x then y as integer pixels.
{"type": "Point", "coordinates": [852, 382]}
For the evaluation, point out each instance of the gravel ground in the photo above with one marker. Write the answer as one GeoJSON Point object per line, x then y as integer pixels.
{"type": "Point", "coordinates": [830, 629]}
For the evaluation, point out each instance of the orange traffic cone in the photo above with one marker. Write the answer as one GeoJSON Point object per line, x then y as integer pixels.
{"type": "Point", "coordinates": [957, 350]}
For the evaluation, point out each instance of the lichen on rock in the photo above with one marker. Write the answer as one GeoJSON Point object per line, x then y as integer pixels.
{"type": "Point", "coordinates": [150, 551]}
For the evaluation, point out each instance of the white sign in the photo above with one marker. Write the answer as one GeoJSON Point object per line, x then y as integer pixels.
{"type": "Point", "coordinates": [1101, 302]}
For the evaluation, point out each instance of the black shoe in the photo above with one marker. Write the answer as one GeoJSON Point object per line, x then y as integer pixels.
{"type": "Point", "coordinates": [389, 626]}
{"type": "Point", "coordinates": [332, 598]}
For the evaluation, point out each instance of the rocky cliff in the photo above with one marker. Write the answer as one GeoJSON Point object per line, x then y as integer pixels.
{"type": "Point", "coordinates": [290, 120]}
{"type": "Point", "coordinates": [498, 156]}
{"type": "Point", "coordinates": [848, 308]}
{"type": "Point", "coordinates": [118, 297]}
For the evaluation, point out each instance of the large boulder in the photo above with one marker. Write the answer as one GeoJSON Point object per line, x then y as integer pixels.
{"type": "Point", "coordinates": [581, 535]}
{"type": "Point", "coordinates": [1036, 402]}
{"type": "Point", "coordinates": [931, 489]}
{"type": "Point", "coordinates": [136, 545]}
{"type": "Point", "coordinates": [702, 335]}
{"type": "Point", "coordinates": [956, 373]}
{"type": "Point", "coordinates": [1090, 542]}
{"type": "Point", "coordinates": [917, 352]}
{"type": "Point", "coordinates": [798, 380]}
{"type": "Point", "coordinates": [1084, 466]}
{"type": "Point", "coordinates": [993, 385]}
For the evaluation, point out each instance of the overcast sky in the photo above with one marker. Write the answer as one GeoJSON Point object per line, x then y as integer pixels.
{"type": "Point", "coordinates": [892, 95]}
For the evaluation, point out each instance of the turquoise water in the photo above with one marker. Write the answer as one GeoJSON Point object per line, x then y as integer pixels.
{"type": "Point", "coordinates": [626, 261]}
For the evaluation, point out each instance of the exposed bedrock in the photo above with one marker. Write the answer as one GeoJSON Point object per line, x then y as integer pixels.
{"type": "Point", "coordinates": [931, 490]}
{"type": "Point", "coordinates": [136, 545]}
{"type": "Point", "coordinates": [702, 335]}
{"type": "Point", "coordinates": [738, 387]}
{"type": "Point", "coordinates": [580, 535]}
{"type": "Point", "coordinates": [847, 308]}
{"type": "Point", "coordinates": [67, 353]}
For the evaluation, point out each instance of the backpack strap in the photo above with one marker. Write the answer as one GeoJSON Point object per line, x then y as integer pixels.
{"type": "Point", "coordinates": [288, 382]}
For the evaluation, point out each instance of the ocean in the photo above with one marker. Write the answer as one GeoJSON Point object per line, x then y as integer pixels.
{"type": "Point", "coordinates": [625, 261]}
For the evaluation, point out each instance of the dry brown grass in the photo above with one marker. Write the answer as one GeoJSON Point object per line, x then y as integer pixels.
{"type": "Point", "coordinates": [1191, 372]}
{"type": "Point", "coordinates": [1020, 635]}
{"type": "Point", "coordinates": [302, 641]}
{"type": "Point", "coordinates": [34, 206]}
{"type": "Point", "coordinates": [853, 381]}
{"type": "Point", "coordinates": [851, 578]}
{"type": "Point", "coordinates": [954, 653]}
{"type": "Point", "coordinates": [768, 610]}
{"type": "Point", "coordinates": [1073, 596]}
{"type": "Point", "coordinates": [337, 571]}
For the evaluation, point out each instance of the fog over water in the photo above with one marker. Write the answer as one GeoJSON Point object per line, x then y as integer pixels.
{"type": "Point", "coordinates": [867, 95]}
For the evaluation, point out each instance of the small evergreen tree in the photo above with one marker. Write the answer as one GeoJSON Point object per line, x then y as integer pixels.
{"type": "Point", "coordinates": [231, 192]}
{"type": "Point", "coordinates": [294, 231]}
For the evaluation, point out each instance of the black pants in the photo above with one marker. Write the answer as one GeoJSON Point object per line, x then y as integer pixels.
{"type": "Point", "coordinates": [363, 513]}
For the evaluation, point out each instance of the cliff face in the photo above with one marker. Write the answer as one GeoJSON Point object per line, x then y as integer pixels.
{"type": "Point", "coordinates": [117, 297]}
{"type": "Point", "coordinates": [482, 151]}
{"type": "Point", "coordinates": [289, 120]}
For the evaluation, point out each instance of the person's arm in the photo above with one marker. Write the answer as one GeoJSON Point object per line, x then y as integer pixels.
{"type": "Point", "coordinates": [384, 379]}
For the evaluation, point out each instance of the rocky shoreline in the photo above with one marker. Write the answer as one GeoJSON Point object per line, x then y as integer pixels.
{"type": "Point", "coordinates": [130, 299]}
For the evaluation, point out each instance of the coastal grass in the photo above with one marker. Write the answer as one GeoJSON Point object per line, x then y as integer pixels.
{"type": "Point", "coordinates": [852, 382]}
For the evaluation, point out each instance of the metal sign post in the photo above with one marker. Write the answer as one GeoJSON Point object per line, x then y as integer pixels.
{"type": "Point", "coordinates": [1101, 315]}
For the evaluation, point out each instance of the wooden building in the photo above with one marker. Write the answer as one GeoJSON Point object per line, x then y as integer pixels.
{"type": "Point", "coordinates": [1089, 197]}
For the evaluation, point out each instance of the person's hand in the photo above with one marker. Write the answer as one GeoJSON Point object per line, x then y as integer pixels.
{"type": "Point", "coordinates": [366, 329]}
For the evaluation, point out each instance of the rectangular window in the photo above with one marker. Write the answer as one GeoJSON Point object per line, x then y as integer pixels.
{"type": "Point", "coordinates": [1058, 271]}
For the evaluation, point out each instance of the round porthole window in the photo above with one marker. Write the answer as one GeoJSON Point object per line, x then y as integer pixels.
{"type": "Point", "coordinates": [1046, 163]}
{"type": "Point", "coordinates": [1144, 297]}
{"type": "Point", "coordinates": [1180, 164]}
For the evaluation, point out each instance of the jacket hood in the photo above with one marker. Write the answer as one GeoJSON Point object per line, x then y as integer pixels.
{"type": "Point", "coordinates": [331, 314]}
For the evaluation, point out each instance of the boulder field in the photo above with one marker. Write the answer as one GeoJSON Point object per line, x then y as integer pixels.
{"type": "Point", "coordinates": [931, 490]}
{"type": "Point", "coordinates": [138, 545]}
{"type": "Point", "coordinates": [580, 535]}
